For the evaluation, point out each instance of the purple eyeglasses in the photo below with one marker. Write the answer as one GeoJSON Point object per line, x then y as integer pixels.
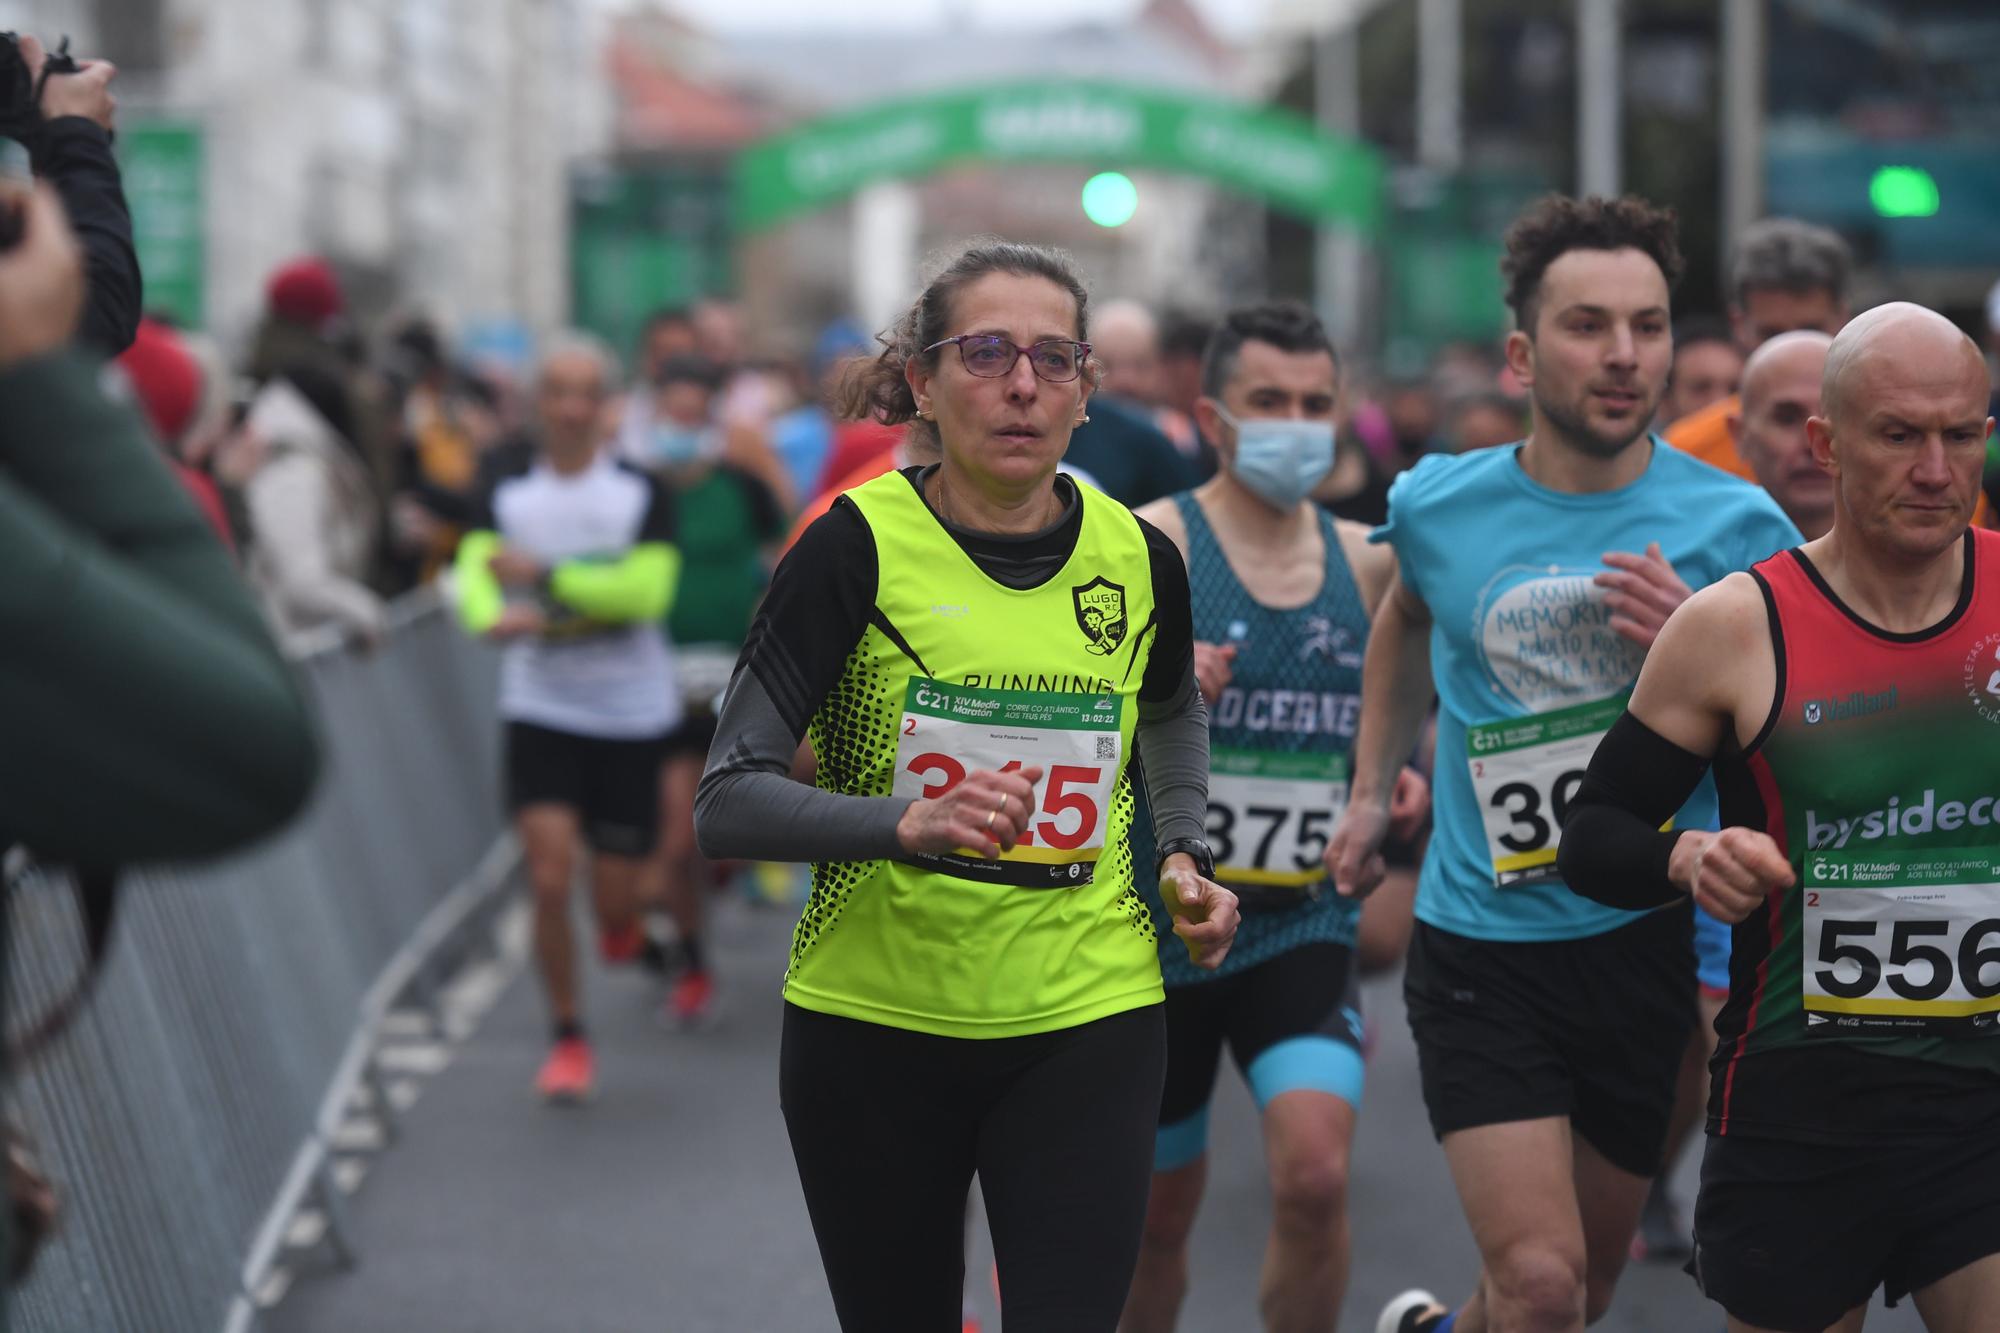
{"type": "Point", "coordinates": [989, 356]}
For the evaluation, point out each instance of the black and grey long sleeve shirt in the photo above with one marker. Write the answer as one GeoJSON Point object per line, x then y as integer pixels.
{"type": "Point", "coordinates": [818, 607]}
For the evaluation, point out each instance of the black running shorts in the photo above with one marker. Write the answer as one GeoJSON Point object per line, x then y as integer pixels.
{"type": "Point", "coordinates": [692, 737]}
{"type": "Point", "coordinates": [613, 785]}
{"type": "Point", "coordinates": [1590, 1029]}
{"type": "Point", "coordinates": [1302, 996]}
{"type": "Point", "coordinates": [1791, 1235]}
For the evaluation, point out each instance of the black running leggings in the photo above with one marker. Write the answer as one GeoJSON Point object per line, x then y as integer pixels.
{"type": "Point", "coordinates": [889, 1126]}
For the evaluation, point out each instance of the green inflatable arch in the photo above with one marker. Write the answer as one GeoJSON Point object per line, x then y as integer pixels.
{"type": "Point", "coordinates": [1273, 154]}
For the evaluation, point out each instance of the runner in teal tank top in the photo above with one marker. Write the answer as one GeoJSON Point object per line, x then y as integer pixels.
{"type": "Point", "coordinates": [1279, 736]}
{"type": "Point", "coordinates": [1280, 594]}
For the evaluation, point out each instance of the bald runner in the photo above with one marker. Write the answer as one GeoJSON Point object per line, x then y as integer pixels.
{"type": "Point", "coordinates": [1127, 339]}
{"type": "Point", "coordinates": [1854, 739]}
{"type": "Point", "coordinates": [1781, 392]}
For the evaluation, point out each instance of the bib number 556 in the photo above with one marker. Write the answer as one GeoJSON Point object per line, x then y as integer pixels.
{"type": "Point", "coordinates": [1978, 950]}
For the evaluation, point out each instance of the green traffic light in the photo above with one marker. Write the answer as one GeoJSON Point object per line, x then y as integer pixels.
{"type": "Point", "coordinates": [1903, 192]}
{"type": "Point", "coordinates": [1110, 199]}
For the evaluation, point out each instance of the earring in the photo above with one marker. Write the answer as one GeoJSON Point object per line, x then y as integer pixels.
{"type": "Point", "coordinates": [1082, 419]}
{"type": "Point", "coordinates": [923, 412]}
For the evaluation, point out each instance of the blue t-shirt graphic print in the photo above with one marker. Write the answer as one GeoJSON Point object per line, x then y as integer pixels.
{"type": "Point", "coordinates": [1527, 665]}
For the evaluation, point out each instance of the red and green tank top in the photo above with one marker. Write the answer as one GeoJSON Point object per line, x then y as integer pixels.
{"type": "Point", "coordinates": [1878, 775]}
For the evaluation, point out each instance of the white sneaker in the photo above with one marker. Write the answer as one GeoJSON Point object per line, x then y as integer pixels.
{"type": "Point", "coordinates": [1401, 1314]}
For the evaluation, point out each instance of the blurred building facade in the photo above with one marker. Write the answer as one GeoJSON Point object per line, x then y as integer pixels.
{"type": "Point", "coordinates": [1883, 120]}
{"type": "Point", "coordinates": [422, 146]}
{"type": "Point", "coordinates": [689, 98]}
{"type": "Point", "coordinates": [518, 158]}
{"type": "Point", "coordinates": [1879, 118]}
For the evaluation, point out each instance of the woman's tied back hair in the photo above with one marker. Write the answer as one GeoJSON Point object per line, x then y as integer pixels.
{"type": "Point", "coordinates": [877, 388]}
{"type": "Point", "coordinates": [1556, 224]}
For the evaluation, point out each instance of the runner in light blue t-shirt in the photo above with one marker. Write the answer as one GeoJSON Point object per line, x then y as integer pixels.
{"type": "Point", "coordinates": [1528, 666]}
{"type": "Point", "coordinates": [1531, 580]}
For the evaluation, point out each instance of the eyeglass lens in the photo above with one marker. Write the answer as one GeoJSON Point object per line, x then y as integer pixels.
{"type": "Point", "coordinates": [990, 356]}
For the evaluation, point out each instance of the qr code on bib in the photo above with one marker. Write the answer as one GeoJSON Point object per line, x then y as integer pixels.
{"type": "Point", "coordinates": [1107, 748]}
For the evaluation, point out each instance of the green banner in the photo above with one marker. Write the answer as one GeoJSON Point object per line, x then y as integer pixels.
{"type": "Point", "coordinates": [161, 163]}
{"type": "Point", "coordinates": [645, 235]}
{"type": "Point", "coordinates": [1254, 149]}
{"type": "Point", "coordinates": [1443, 251]}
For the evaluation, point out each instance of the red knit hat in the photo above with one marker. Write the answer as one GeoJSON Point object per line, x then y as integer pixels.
{"type": "Point", "coordinates": [306, 292]}
{"type": "Point", "coordinates": [165, 378]}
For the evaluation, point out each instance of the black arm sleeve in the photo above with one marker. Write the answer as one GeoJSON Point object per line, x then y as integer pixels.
{"type": "Point", "coordinates": [1172, 661]}
{"type": "Point", "coordinates": [748, 804]}
{"type": "Point", "coordinates": [821, 597]}
{"type": "Point", "coordinates": [1613, 850]}
{"type": "Point", "coordinates": [1173, 721]}
{"type": "Point", "coordinates": [75, 157]}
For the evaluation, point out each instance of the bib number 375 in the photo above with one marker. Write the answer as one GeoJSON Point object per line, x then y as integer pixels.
{"type": "Point", "coordinates": [1270, 815]}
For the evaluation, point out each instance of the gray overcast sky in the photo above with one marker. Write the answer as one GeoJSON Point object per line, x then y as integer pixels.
{"type": "Point", "coordinates": [1231, 17]}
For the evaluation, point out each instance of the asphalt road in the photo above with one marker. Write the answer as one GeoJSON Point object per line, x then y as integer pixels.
{"type": "Point", "coordinates": [669, 1204]}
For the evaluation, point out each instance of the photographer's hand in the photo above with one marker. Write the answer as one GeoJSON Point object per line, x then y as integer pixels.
{"type": "Point", "coordinates": [41, 281]}
{"type": "Point", "coordinates": [86, 93]}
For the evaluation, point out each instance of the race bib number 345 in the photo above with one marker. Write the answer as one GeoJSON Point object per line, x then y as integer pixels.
{"type": "Point", "coordinates": [949, 731]}
{"type": "Point", "coordinates": [1525, 772]}
{"type": "Point", "coordinates": [1904, 942]}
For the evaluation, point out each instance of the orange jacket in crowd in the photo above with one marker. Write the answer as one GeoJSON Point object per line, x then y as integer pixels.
{"type": "Point", "coordinates": [866, 470]}
{"type": "Point", "coordinates": [1705, 434]}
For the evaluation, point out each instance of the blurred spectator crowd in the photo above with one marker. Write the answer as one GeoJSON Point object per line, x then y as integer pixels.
{"type": "Point", "coordinates": [341, 468]}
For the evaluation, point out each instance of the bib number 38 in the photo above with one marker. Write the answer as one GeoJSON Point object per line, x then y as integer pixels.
{"type": "Point", "coordinates": [1525, 772]}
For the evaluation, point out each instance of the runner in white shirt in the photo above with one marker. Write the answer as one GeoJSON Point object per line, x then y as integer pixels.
{"type": "Point", "coordinates": [571, 561]}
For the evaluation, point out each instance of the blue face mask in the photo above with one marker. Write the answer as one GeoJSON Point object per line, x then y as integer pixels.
{"type": "Point", "coordinates": [675, 446]}
{"type": "Point", "coordinates": [1281, 460]}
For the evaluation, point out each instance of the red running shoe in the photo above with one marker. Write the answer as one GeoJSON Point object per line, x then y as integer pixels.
{"type": "Point", "coordinates": [693, 995]}
{"type": "Point", "coordinates": [569, 1074]}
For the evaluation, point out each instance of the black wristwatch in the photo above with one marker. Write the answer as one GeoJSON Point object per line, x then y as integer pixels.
{"type": "Point", "coordinates": [1204, 858]}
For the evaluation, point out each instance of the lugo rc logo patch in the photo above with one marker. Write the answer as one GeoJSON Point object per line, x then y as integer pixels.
{"type": "Point", "coordinates": [1100, 614]}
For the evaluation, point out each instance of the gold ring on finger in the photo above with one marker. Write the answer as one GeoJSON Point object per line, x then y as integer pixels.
{"type": "Point", "coordinates": [991, 815]}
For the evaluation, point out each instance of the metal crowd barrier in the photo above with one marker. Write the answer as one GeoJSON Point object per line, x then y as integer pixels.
{"type": "Point", "coordinates": [188, 1113]}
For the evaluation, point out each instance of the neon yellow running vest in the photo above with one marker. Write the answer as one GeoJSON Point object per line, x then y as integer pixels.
{"type": "Point", "coordinates": [957, 673]}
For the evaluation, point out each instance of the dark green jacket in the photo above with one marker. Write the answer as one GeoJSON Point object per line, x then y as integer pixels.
{"type": "Point", "coordinates": [145, 713]}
